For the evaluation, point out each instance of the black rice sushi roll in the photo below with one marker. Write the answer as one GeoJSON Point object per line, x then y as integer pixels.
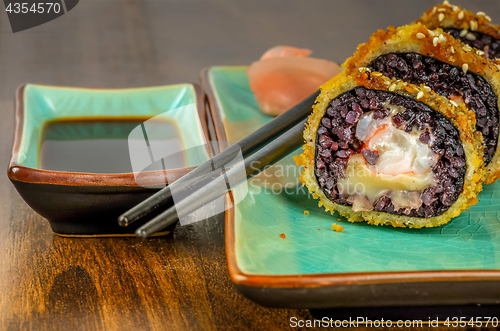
{"type": "Point", "coordinates": [436, 61]}
{"type": "Point", "coordinates": [388, 152]}
{"type": "Point", "coordinates": [473, 29]}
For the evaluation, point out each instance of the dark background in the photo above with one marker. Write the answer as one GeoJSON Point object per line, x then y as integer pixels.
{"type": "Point", "coordinates": [180, 281]}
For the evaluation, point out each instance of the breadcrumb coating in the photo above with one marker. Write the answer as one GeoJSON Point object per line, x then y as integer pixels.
{"type": "Point", "coordinates": [436, 44]}
{"type": "Point", "coordinates": [461, 117]}
{"type": "Point", "coordinates": [449, 16]}
{"type": "Point", "coordinates": [338, 228]}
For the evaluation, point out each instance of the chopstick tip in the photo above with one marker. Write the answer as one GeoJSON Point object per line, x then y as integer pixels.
{"type": "Point", "coordinates": [123, 220]}
{"type": "Point", "coordinates": [141, 233]}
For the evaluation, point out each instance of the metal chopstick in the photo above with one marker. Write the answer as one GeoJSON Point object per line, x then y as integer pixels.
{"type": "Point", "coordinates": [269, 154]}
{"type": "Point", "coordinates": [247, 145]}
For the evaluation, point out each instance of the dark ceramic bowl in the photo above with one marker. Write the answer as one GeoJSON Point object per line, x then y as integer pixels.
{"type": "Point", "coordinates": [80, 203]}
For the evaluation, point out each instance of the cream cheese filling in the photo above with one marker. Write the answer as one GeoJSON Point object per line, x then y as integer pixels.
{"type": "Point", "coordinates": [402, 171]}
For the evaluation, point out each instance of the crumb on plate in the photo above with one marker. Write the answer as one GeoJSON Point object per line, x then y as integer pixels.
{"type": "Point", "coordinates": [337, 228]}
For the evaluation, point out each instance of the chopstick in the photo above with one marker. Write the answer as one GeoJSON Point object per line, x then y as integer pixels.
{"type": "Point", "coordinates": [247, 146]}
{"type": "Point", "coordinates": [252, 165]}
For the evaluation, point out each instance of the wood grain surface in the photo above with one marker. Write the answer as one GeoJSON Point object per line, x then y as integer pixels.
{"type": "Point", "coordinates": [178, 282]}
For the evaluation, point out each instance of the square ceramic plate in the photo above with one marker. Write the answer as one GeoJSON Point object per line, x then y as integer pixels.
{"type": "Point", "coordinates": [83, 203]}
{"type": "Point", "coordinates": [365, 265]}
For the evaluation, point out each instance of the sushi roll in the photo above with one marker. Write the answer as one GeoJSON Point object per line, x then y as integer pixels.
{"type": "Point", "coordinates": [475, 30]}
{"type": "Point", "coordinates": [388, 152]}
{"type": "Point", "coordinates": [437, 61]}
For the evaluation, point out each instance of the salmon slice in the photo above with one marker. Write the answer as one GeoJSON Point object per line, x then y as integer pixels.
{"type": "Point", "coordinates": [285, 76]}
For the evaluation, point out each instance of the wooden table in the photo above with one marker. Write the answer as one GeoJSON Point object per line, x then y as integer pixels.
{"type": "Point", "coordinates": [179, 281]}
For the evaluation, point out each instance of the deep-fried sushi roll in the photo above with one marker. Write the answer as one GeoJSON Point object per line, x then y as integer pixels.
{"type": "Point", "coordinates": [472, 29]}
{"type": "Point", "coordinates": [452, 69]}
{"type": "Point", "coordinates": [389, 152]}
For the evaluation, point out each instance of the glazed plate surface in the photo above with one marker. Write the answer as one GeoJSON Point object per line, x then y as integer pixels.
{"type": "Point", "coordinates": [365, 265]}
{"type": "Point", "coordinates": [86, 203]}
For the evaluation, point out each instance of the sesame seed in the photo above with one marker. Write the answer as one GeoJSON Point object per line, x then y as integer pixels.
{"type": "Point", "coordinates": [455, 8]}
{"type": "Point", "coordinates": [465, 67]}
{"type": "Point", "coordinates": [376, 74]}
{"type": "Point", "coordinates": [441, 17]}
{"type": "Point", "coordinates": [480, 13]}
{"type": "Point", "coordinates": [470, 36]}
{"type": "Point", "coordinates": [487, 18]}
{"type": "Point", "coordinates": [427, 88]}
{"type": "Point", "coordinates": [498, 66]}
{"type": "Point", "coordinates": [361, 69]}
{"type": "Point", "coordinates": [445, 2]}
{"type": "Point", "coordinates": [452, 50]}
{"type": "Point", "coordinates": [392, 88]}
{"type": "Point", "coordinates": [463, 32]}
{"type": "Point", "coordinates": [420, 35]}
{"type": "Point", "coordinates": [461, 15]}
{"type": "Point", "coordinates": [478, 52]}
{"type": "Point", "coordinates": [473, 25]}
{"type": "Point", "coordinates": [441, 39]}
{"type": "Point", "coordinates": [454, 103]}
{"type": "Point", "coordinates": [387, 83]}
{"type": "Point", "coordinates": [434, 10]}
{"type": "Point", "coordinates": [420, 95]}
{"type": "Point", "coordinates": [431, 33]}
{"type": "Point", "coordinates": [441, 9]}
{"type": "Point", "coordinates": [467, 48]}
{"type": "Point", "coordinates": [435, 41]}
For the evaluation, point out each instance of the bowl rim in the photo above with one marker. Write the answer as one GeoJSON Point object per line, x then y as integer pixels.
{"type": "Point", "coordinates": [17, 172]}
{"type": "Point", "coordinates": [240, 277]}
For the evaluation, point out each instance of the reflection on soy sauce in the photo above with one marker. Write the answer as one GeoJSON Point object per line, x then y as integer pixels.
{"type": "Point", "coordinates": [101, 145]}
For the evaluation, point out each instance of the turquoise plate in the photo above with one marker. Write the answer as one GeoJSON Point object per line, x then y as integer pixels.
{"type": "Point", "coordinates": [279, 256]}
{"type": "Point", "coordinates": [86, 203]}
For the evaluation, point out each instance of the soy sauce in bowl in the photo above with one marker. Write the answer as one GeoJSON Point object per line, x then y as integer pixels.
{"type": "Point", "coordinates": [104, 145]}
